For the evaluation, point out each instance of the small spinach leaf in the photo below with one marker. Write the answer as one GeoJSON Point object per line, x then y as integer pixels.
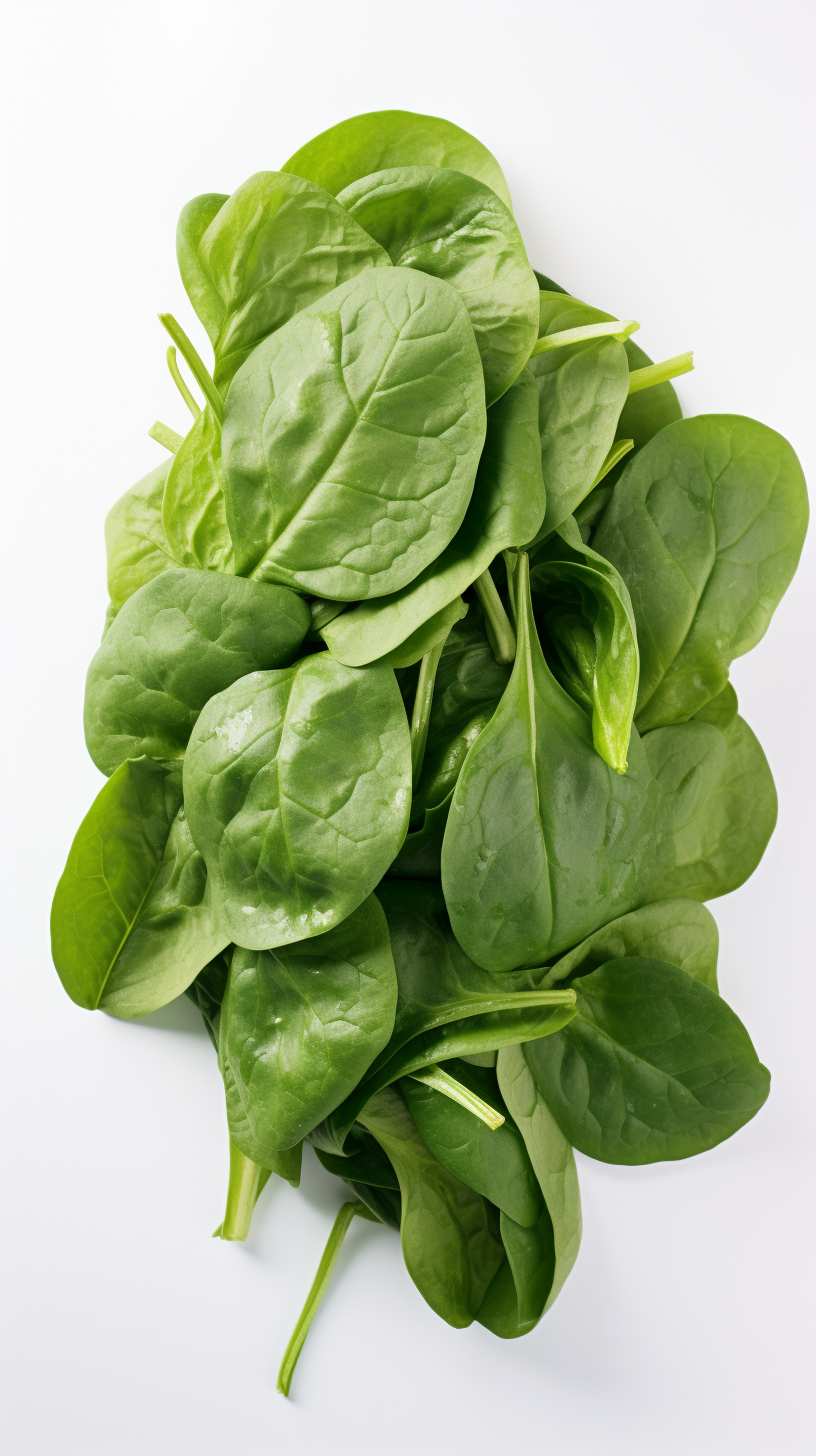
{"type": "Point", "coordinates": [137, 547]}
{"type": "Point", "coordinates": [178, 641]}
{"type": "Point", "coordinates": [388, 363]}
{"type": "Point", "coordinates": [297, 784]}
{"type": "Point", "coordinates": [194, 515]}
{"type": "Point", "coordinates": [681, 932]}
{"type": "Point", "coordinates": [193, 223]}
{"type": "Point", "coordinates": [655, 1066]}
{"type": "Point", "coordinates": [449, 1236]}
{"type": "Point", "coordinates": [132, 923]}
{"type": "Point", "coordinates": [300, 1026]}
{"type": "Point", "coordinates": [705, 526]}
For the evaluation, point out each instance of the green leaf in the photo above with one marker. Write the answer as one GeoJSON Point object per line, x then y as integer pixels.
{"type": "Point", "coordinates": [194, 515]}
{"type": "Point", "coordinates": [681, 932]}
{"type": "Point", "coordinates": [297, 784]}
{"type": "Point", "coordinates": [193, 223]}
{"type": "Point", "coordinates": [182, 638]}
{"type": "Point", "coordinates": [587, 616]}
{"type": "Point", "coordinates": [492, 1162]}
{"type": "Point", "coordinates": [388, 363]}
{"type": "Point", "coordinates": [131, 923]}
{"type": "Point", "coordinates": [544, 842]}
{"type": "Point", "coordinates": [721, 711]}
{"type": "Point", "coordinates": [655, 1066]}
{"type": "Point", "coordinates": [706, 527]}
{"type": "Point", "coordinates": [278, 244]}
{"type": "Point", "coordinates": [137, 547]}
{"type": "Point", "coordinates": [300, 1026]}
{"type": "Point", "coordinates": [449, 225]}
{"type": "Point", "coordinates": [363, 1161]}
{"type": "Point", "coordinates": [540, 1258]}
{"type": "Point", "coordinates": [449, 1241]}
{"type": "Point", "coordinates": [725, 815]}
{"type": "Point", "coordinates": [431, 634]}
{"type": "Point", "coordinates": [506, 509]}
{"type": "Point", "coordinates": [381, 139]}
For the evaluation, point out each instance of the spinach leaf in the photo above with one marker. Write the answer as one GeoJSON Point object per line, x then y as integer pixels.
{"type": "Point", "coordinates": [722, 817]}
{"type": "Point", "coordinates": [544, 842]}
{"type": "Point", "coordinates": [706, 527]}
{"type": "Point", "coordinates": [207, 992]}
{"type": "Point", "coordinates": [300, 1026]}
{"type": "Point", "coordinates": [193, 223]}
{"type": "Point", "coordinates": [540, 1258]}
{"type": "Point", "coordinates": [585, 610]}
{"type": "Point", "coordinates": [297, 784]}
{"type": "Point", "coordinates": [681, 932]}
{"type": "Point", "coordinates": [388, 363]}
{"type": "Point", "coordinates": [132, 922]}
{"type": "Point", "coordinates": [449, 1238]}
{"type": "Point", "coordinates": [137, 547]}
{"type": "Point", "coordinates": [492, 1162]}
{"type": "Point", "coordinates": [178, 641]}
{"type": "Point", "coordinates": [655, 1066]}
{"type": "Point", "coordinates": [378, 140]}
{"type": "Point", "coordinates": [363, 1161]}
{"type": "Point", "coordinates": [506, 509]}
{"type": "Point", "coordinates": [453, 227]}
{"type": "Point", "coordinates": [276, 245]}
{"type": "Point", "coordinates": [721, 710]}
{"type": "Point", "coordinates": [193, 509]}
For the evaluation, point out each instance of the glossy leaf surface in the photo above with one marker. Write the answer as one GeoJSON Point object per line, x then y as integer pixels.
{"type": "Point", "coordinates": [381, 139]}
{"type": "Point", "coordinates": [681, 932]}
{"type": "Point", "coordinates": [388, 363]}
{"type": "Point", "coordinates": [300, 1025]}
{"type": "Point", "coordinates": [298, 787]}
{"type": "Point", "coordinates": [449, 225]}
{"type": "Point", "coordinates": [449, 1240]}
{"type": "Point", "coordinates": [178, 641]}
{"type": "Point", "coordinates": [705, 526]}
{"type": "Point", "coordinates": [506, 509]}
{"type": "Point", "coordinates": [132, 924]}
{"type": "Point", "coordinates": [655, 1066]}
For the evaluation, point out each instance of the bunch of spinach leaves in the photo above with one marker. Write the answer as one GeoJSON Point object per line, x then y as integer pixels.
{"type": "Point", "coordinates": [414, 708]}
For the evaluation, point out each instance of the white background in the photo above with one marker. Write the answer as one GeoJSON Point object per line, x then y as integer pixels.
{"type": "Point", "coordinates": [658, 158]}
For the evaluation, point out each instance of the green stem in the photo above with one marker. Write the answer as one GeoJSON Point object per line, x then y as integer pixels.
{"type": "Point", "coordinates": [615, 453]}
{"type": "Point", "coordinates": [195, 364]}
{"type": "Point", "coordinates": [619, 329]}
{"type": "Point", "coordinates": [421, 715]}
{"type": "Point", "coordinates": [189, 399]}
{"type": "Point", "coordinates": [242, 1195]}
{"type": "Point", "coordinates": [659, 373]}
{"type": "Point", "coordinates": [433, 1076]}
{"type": "Point", "coordinates": [318, 1289]}
{"type": "Point", "coordinates": [166, 437]}
{"type": "Point", "coordinates": [499, 631]}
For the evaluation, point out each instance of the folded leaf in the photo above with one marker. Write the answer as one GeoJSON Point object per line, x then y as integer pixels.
{"type": "Point", "coordinates": [194, 514]}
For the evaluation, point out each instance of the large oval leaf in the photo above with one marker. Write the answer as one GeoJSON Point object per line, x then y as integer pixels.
{"type": "Point", "coordinates": [300, 1025]}
{"type": "Point", "coordinates": [380, 139]}
{"type": "Point", "coordinates": [453, 227]}
{"type": "Point", "coordinates": [178, 641]}
{"type": "Point", "coordinates": [506, 509]}
{"type": "Point", "coordinates": [706, 527]}
{"type": "Point", "coordinates": [389, 366]}
{"type": "Point", "coordinates": [298, 789]}
{"type": "Point", "coordinates": [132, 923]}
{"type": "Point", "coordinates": [655, 1066]}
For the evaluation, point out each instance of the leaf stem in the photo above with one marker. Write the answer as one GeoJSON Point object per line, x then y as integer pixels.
{"type": "Point", "coordinates": [166, 437]}
{"type": "Point", "coordinates": [659, 373]}
{"type": "Point", "coordinates": [421, 715]}
{"type": "Point", "coordinates": [195, 364]}
{"type": "Point", "coordinates": [615, 453]}
{"type": "Point", "coordinates": [318, 1289]}
{"type": "Point", "coordinates": [499, 630]}
{"type": "Point", "coordinates": [242, 1193]}
{"type": "Point", "coordinates": [619, 329]}
{"type": "Point", "coordinates": [189, 399]}
{"type": "Point", "coordinates": [433, 1076]}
